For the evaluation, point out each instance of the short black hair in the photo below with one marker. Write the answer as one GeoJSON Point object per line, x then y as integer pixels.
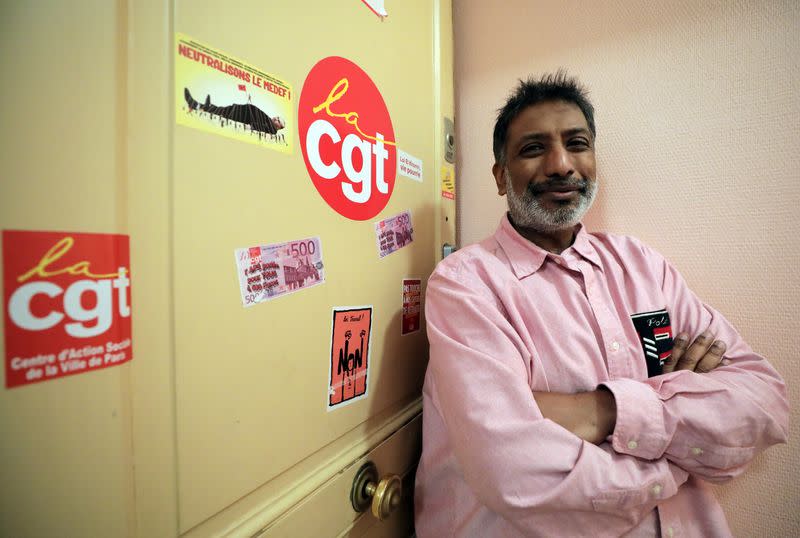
{"type": "Point", "coordinates": [556, 86]}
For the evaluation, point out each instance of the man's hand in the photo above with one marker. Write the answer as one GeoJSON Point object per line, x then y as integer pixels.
{"type": "Point", "coordinates": [702, 356]}
{"type": "Point", "coordinates": [589, 415]}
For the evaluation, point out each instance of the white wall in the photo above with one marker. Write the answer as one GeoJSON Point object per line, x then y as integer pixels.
{"type": "Point", "coordinates": [698, 122]}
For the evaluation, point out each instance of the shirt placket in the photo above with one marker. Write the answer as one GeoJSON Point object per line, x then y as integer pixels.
{"type": "Point", "coordinates": [611, 329]}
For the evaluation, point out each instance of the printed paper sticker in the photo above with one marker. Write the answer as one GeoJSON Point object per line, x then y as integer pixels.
{"type": "Point", "coordinates": [411, 305]}
{"type": "Point", "coordinates": [220, 94]}
{"type": "Point", "coordinates": [448, 182]}
{"type": "Point", "coordinates": [67, 303]}
{"type": "Point", "coordinates": [269, 271]}
{"type": "Point", "coordinates": [377, 7]}
{"type": "Point", "coordinates": [409, 166]}
{"type": "Point", "coordinates": [350, 345]}
{"type": "Point", "coordinates": [394, 233]}
{"type": "Point", "coordinates": [347, 139]}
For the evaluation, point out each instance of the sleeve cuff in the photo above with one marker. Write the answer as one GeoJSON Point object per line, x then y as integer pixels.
{"type": "Point", "coordinates": [640, 429]}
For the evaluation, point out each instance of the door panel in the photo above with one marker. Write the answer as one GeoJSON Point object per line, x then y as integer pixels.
{"type": "Point", "coordinates": [328, 508]}
{"type": "Point", "coordinates": [247, 378]}
{"type": "Point", "coordinates": [320, 505]}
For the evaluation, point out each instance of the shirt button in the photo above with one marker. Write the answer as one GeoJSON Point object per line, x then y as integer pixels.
{"type": "Point", "coordinates": [614, 346]}
{"type": "Point", "coordinates": [670, 532]}
{"type": "Point", "coordinates": [656, 490]}
{"type": "Point", "coordinates": [697, 451]}
{"type": "Point", "coordinates": [633, 445]}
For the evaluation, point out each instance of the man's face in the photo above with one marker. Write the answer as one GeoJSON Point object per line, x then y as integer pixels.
{"type": "Point", "coordinates": [550, 169]}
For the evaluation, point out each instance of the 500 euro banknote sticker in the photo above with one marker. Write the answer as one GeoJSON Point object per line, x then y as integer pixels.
{"type": "Point", "coordinates": [269, 271]}
{"type": "Point", "coordinates": [394, 233]}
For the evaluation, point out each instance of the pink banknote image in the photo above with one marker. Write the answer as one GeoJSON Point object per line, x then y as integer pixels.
{"type": "Point", "coordinates": [269, 271]}
{"type": "Point", "coordinates": [394, 233]}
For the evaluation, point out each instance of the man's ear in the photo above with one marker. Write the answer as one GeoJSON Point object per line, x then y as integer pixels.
{"type": "Point", "coordinates": [497, 171]}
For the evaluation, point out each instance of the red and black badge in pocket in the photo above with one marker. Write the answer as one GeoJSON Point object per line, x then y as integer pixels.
{"type": "Point", "coordinates": [655, 334]}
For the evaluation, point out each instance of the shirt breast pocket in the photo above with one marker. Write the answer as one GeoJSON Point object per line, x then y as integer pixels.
{"type": "Point", "coordinates": [655, 335]}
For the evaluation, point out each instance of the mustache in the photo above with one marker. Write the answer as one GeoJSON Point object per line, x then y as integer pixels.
{"type": "Point", "coordinates": [559, 184]}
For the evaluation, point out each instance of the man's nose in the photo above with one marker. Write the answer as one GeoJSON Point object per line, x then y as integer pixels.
{"type": "Point", "coordinates": [558, 162]}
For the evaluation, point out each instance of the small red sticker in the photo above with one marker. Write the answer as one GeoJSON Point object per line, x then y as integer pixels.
{"type": "Point", "coordinates": [67, 300]}
{"type": "Point", "coordinates": [347, 138]}
{"type": "Point", "coordinates": [411, 305]}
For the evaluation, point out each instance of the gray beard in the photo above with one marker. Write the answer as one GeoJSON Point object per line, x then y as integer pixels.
{"type": "Point", "coordinates": [527, 212]}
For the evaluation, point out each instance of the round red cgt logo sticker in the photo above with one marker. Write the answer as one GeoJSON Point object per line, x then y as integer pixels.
{"type": "Point", "coordinates": [347, 138]}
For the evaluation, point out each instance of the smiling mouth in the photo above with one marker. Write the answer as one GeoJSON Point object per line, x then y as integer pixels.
{"type": "Point", "coordinates": [559, 191]}
{"type": "Point", "coordinates": [562, 194]}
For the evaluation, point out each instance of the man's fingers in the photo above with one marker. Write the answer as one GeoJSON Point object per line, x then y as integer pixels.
{"type": "Point", "coordinates": [702, 356]}
{"type": "Point", "coordinates": [697, 350]}
{"type": "Point", "coordinates": [711, 359]}
{"type": "Point", "coordinates": [678, 349]}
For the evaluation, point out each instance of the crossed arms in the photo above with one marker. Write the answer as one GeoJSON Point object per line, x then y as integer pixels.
{"type": "Point", "coordinates": [592, 415]}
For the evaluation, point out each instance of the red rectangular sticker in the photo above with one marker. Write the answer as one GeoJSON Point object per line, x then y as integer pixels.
{"type": "Point", "coordinates": [411, 305]}
{"type": "Point", "coordinates": [67, 300]}
{"type": "Point", "coordinates": [350, 345]}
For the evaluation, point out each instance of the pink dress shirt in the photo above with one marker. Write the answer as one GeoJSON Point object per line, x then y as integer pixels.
{"type": "Point", "coordinates": [506, 318]}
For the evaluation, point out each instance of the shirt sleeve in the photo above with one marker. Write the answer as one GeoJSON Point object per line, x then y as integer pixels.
{"type": "Point", "coordinates": [522, 466]}
{"type": "Point", "coordinates": [711, 424]}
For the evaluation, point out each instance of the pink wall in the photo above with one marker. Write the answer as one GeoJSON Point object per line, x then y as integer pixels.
{"type": "Point", "coordinates": [698, 121]}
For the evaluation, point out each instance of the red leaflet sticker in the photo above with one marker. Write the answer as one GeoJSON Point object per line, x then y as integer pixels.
{"type": "Point", "coordinates": [67, 300]}
{"type": "Point", "coordinates": [347, 138]}
{"type": "Point", "coordinates": [350, 344]}
{"type": "Point", "coordinates": [411, 305]}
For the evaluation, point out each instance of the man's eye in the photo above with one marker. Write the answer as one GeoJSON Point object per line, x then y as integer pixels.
{"type": "Point", "coordinates": [578, 143]}
{"type": "Point", "coordinates": [531, 148]}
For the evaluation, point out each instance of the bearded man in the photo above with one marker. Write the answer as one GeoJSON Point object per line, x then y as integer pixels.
{"type": "Point", "coordinates": [576, 385]}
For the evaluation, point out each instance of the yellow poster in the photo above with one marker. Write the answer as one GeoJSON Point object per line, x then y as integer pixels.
{"type": "Point", "coordinates": [448, 182]}
{"type": "Point", "coordinates": [220, 94]}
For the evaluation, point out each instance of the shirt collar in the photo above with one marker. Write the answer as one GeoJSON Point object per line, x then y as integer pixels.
{"type": "Point", "coordinates": [526, 257]}
{"type": "Point", "coordinates": [583, 245]}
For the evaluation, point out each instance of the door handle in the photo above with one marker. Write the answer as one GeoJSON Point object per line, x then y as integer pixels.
{"type": "Point", "coordinates": [383, 496]}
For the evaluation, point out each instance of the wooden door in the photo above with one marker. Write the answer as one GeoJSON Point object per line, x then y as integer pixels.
{"type": "Point", "coordinates": [226, 420]}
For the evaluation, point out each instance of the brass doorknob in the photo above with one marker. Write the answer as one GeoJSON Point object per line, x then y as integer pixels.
{"type": "Point", "coordinates": [384, 496]}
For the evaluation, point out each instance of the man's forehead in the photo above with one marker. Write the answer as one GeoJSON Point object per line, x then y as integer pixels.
{"type": "Point", "coordinates": [548, 117]}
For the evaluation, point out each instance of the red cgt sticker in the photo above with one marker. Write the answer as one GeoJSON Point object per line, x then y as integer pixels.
{"type": "Point", "coordinates": [347, 138]}
{"type": "Point", "coordinates": [67, 300]}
